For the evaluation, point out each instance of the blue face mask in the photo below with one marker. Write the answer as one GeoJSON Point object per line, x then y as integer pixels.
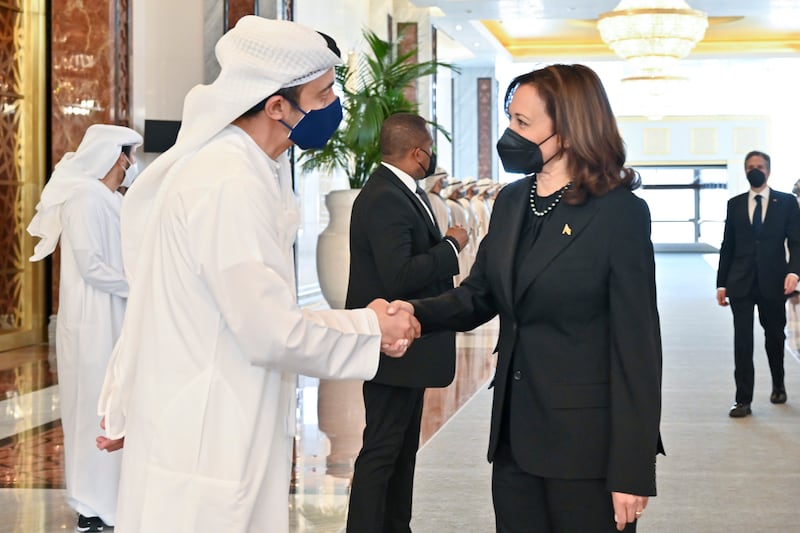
{"type": "Point", "coordinates": [316, 127]}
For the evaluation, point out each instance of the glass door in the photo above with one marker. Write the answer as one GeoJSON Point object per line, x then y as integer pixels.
{"type": "Point", "coordinates": [687, 205]}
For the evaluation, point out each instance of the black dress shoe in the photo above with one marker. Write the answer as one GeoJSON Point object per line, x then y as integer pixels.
{"type": "Point", "coordinates": [89, 524]}
{"type": "Point", "coordinates": [778, 396]}
{"type": "Point", "coordinates": [740, 410]}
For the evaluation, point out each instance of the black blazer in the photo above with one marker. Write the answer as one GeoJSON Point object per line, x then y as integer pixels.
{"type": "Point", "coordinates": [579, 337]}
{"type": "Point", "coordinates": [396, 252]}
{"type": "Point", "coordinates": [741, 256]}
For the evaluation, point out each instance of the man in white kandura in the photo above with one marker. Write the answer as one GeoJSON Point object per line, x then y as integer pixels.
{"type": "Point", "coordinates": [433, 186]}
{"type": "Point", "coordinates": [80, 205]}
{"type": "Point", "coordinates": [481, 208]}
{"type": "Point", "coordinates": [202, 384]}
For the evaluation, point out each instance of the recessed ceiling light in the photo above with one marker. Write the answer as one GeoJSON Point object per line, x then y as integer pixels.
{"type": "Point", "coordinates": [458, 27]}
{"type": "Point", "coordinates": [477, 44]}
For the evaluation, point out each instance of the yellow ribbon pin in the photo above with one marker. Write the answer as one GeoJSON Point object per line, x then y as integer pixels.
{"type": "Point", "coordinates": [567, 230]}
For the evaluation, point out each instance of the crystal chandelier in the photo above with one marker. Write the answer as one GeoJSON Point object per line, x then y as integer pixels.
{"type": "Point", "coordinates": [652, 34]}
{"type": "Point", "coordinates": [655, 85]}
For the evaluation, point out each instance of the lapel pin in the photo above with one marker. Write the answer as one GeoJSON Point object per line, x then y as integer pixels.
{"type": "Point", "coordinates": [567, 230]}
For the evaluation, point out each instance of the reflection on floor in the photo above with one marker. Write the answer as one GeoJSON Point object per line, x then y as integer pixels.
{"type": "Point", "coordinates": [331, 418]}
{"type": "Point", "coordinates": [30, 430]}
{"type": "Point", "coordinates": [329, 424]}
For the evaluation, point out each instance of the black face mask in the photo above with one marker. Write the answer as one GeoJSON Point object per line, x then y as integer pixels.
{"type": "Point", "coordinates": [431, 163]}
{"type": "Point", "coordinates": [756, 178]}
{"type": "Point", "coordinates": [519, 155]}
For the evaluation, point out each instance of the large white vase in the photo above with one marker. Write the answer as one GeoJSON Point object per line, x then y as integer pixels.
{"type": "Point", "coordinates": [341, 415]}
{"type": "Point", "coordinates": [333, 248]}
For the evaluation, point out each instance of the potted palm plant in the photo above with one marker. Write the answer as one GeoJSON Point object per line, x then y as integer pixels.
{"type": "Point", "coordinates": [374, 87]}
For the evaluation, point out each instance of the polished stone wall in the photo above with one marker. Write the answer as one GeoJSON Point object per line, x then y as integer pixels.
{"type": "Point", "coordinates": [89, 69]}
{"type": "Point", "coordinates": [407, 33]}
{"type": "Point", "coordinates": [486, 129]}
{"type": "Point", "coordinates": [221, 15]}
{"type": "Point", "coordinates": [474, 123]}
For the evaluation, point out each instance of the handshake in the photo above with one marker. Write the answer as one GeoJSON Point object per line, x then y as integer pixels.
{"type": "Point", "coordinates": [398, 326]}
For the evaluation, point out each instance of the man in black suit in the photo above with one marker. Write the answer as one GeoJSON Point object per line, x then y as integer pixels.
{"type": "Point", "coordinates": [398, 252]}
{"type": "Point", "coordinates": [753, 271]}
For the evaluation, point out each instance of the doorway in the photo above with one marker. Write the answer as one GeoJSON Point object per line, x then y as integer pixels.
{"type": "Point", "coordinates": [687, 205]}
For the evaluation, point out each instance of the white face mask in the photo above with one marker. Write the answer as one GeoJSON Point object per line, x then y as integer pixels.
{"type": "Point", "coordinates": [130, 174]}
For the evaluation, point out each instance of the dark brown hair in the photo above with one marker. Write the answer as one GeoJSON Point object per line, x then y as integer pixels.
{"type": "Point", "coordinates": [577, 104]}
{"type": "Point", "coordinates": [756, 153]}
{"type": "Point", "coordinates": [290, 93]}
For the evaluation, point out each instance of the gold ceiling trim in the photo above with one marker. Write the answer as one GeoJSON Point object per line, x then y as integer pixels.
{"type": "Point", "coordinates": [719, 41]}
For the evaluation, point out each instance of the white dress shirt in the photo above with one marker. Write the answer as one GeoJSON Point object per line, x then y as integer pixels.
{"type": "Point", "coordinates": [411, 183]}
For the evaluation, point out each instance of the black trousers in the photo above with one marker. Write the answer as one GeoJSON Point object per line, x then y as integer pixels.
{"type": "Point", "coordinates": [772, 315]}
{"type": "Point", "coordinates": [383, 479]}
{"type": "Point", "coordinates": [525, 503]}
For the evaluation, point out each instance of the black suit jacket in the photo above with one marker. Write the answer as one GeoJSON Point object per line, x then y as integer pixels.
{"type": "Point", "coordinates": [396, 252]}
{"type": "Point", "coordinates": [742, 257]}
{"type": "Point", "coordinates": [579, 337]}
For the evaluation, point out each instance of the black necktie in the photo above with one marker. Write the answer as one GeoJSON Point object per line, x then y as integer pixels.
{"type": "Point", "coordinates": [424, 197]}
{"type": "Point", "coordinates": [757, 218]}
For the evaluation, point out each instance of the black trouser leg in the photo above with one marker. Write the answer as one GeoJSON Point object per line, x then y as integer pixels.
{"type": "Point", "coordinates": [381, 494]}
{"type": "Point", "coordinates": [772, 315]}
{"type": "Point", "coordinates": [400, 491]}
{"type": "Point", "coordinates": [519, 498]}
{"type": "Point", "coordinates": [525, 503]}
{"type": "Point", "coordinates": [744, 374]}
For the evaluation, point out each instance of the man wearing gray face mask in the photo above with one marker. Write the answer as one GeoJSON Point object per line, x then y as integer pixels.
{"type": "Point", "coordinates": [753, 271]}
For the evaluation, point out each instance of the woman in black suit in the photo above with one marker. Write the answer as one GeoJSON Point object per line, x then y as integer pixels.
{"type": "Point", "coordinates": [568, 265]}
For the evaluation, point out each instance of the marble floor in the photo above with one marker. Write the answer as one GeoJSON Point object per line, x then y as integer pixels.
{"type": "Point", "coordinates": [330, 418]}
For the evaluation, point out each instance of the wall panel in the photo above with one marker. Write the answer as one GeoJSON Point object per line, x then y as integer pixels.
{"type": "Point", "coordinates": [22, 84]}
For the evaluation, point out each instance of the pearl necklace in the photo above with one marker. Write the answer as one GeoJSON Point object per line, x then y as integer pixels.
{"type": "Point", "coordinates": [551, 206]}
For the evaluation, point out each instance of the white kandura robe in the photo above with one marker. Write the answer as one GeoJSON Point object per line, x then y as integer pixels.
{"type": "Point", "coordinates": [203, 380]}
{"type": "Point", "coordinates": [459, 217]}
{"type": "Point", "coordinates": [482, 217]}
{"type": "Point", "coordinates": [92, 297]}
{"type": "Point", "coordinates": [440, 211]}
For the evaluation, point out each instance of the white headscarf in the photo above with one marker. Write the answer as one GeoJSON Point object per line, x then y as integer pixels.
{"type": "Point", "coordinates": [97, 153]}
{"type": "Point", "coordinates": [433, 179]}
{"type": "Point", "coordinates": [451, 188]}
{"type": "Point", "coordinates": [257, 58]}
{"type": "Point", "coordinates": [484, 184]}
